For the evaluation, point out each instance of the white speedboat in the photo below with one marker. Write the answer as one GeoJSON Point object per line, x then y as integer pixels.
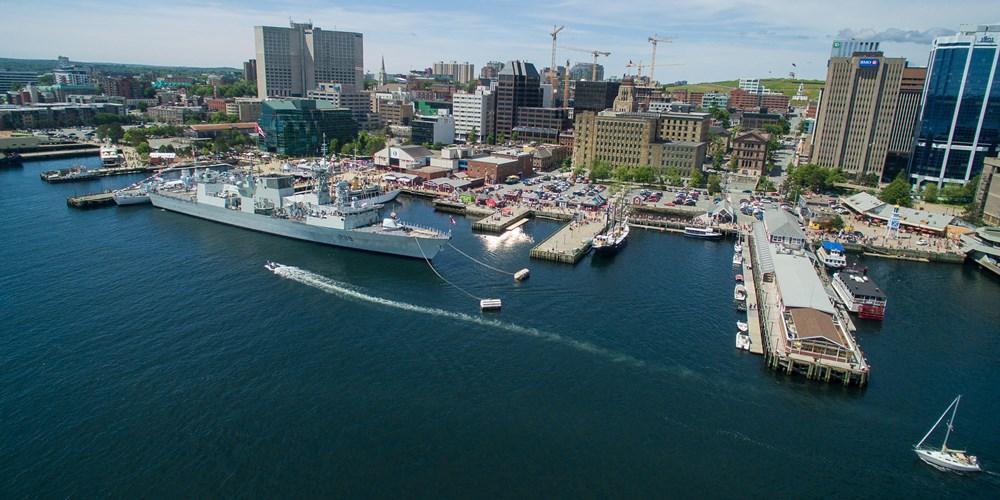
{"type": "Point", "coordinates": [742, 326]}
{"type": "Point", "coordinates": [708, 233]}
{"type": "Point", "coordinates": [944, 458]}
{"type": "Point", "coordinates": [742, 341]}
{"type": "Point", "coordinates": [740, 297]}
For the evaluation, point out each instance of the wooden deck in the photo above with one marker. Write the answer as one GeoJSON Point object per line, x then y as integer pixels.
{"type": "Point", "coordinates": [570, 243]}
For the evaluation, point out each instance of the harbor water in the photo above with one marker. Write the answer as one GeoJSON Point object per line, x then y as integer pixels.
{"type": "Point", "coordinates": [145, 353]}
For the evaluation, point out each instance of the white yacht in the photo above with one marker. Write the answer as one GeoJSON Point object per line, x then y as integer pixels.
{"type": "Point", "coordinates": [944, 458]}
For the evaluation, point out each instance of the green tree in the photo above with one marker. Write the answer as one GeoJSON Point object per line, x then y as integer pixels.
{"type": "Point", "coordinates": [143, 149]}
{"type": "Point", "coordinates": [473, 135]}
{"type": "Point", "coordinates": [47, 79]}
{"type": "Point", "coordinates": [734, 164]}
{"type": "Point", "coordinates": [953, 194]}
{"type": "Point", "coordinates": [600, 170]}
{"type": "Point", "coordinates": [491, 139]}
{"type": "Point", "coordinates": [837, 223]}
{"type": "Point", "coordinates": [674, 177]}
{"type": "Point", "coordinates": [513, 136]}
{"type": "Point", "coordinates": [333, 146]}
{"type": "Point", "coordinates": [696, 179]}
{"type": "Point", "coordinates": [930, 194]}
{"type": "Point", "coordinates": [765, 185]}
{"type": "Point", "coordinates": [714, 184]}
{"type": "Point", "coordinates": [112, 131]}
{"type": "Point", "coordinates": [717, 160]}
{"type": "Point", "coordinates": [897, 192]}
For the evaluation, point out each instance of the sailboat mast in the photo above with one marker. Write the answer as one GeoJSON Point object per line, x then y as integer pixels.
{"type": "Point", "coordinates": [936, 424]}
{"type": "Point", "coordinates": [954, 410]}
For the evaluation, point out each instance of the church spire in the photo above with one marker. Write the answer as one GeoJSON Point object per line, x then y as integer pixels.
{"type": "Point", "coordinates": [381, 73]}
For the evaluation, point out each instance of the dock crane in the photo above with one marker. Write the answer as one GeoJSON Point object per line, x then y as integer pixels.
{"type": "Point", "coordinates": [655, 40]}
{"type": "Point", "coordinates": [594, 53]}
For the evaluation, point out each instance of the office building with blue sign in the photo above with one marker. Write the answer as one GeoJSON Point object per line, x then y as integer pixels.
{"type": "Point", "coordinates": [960, 114]}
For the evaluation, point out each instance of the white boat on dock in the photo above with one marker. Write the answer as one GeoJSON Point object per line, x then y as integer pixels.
{"type": "Point", "coordinates": [708, 233]}
{"type": "Point", "coordinates": [742, 341]}
{"type": "Point", "coordinates": [740, 296]}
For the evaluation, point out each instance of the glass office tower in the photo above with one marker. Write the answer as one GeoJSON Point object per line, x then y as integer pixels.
{"type": "Point", "coordinates": [960, 115]}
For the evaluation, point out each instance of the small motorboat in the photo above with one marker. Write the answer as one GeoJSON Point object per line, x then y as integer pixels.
{"type": "Point", "coordinates": [742, 326]}
{"type": "Point", "coordinates": [743, 341]}
{"type": "Point", "coordinates": [739, 278]}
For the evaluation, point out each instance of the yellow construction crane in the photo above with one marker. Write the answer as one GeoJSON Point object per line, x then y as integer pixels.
{"type": "Point", "coordinates": [655, 40]}
{"type": "Point", "coordinates": [553, 74]}
{"type": "Point", "coordinates": [594, 53]}
{"type": "Point", "coordinates": [639, 65]}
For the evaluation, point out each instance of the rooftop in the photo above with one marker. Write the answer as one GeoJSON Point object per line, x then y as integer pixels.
{"type": "Point", "coordinates": [208, 127]}
{"type": "Point", "coordinates": [797, 281]}
{"type": "Point", "coordinates": [782, 224]}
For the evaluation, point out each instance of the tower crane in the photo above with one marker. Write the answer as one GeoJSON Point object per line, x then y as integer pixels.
{"type": "Point", "coordinates": [553, 74]}
{"type": "Point", "coordinates": [594, 53]}
{"type": "Point", "coordinates": [655, 40]}
{"type": "Point", "coordinates": [638, 66]}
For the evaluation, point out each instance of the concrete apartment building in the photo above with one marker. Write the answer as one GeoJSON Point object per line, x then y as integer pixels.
{"type": "Point", "coordinates": [459, 72]}
{"type": "Point", "coordinates": [663, 141]}
{"type": "Point", "coordinates": [904, 126]}
{"type": "Point", "coordinates": [291, 61]}
{"type": "Point", "coordinates": [473, 111]}
{"type": "Point", "coordinates": [856, 114]}
{"type": "Point", "coordinates": [518, 85]}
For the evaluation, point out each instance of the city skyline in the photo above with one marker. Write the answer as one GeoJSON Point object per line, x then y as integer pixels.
{"type": "Point", "coordinates": [718, 41]}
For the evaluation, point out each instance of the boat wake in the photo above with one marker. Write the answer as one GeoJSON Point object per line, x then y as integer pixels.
{"type": "Point", "coordinates": [336, 288]}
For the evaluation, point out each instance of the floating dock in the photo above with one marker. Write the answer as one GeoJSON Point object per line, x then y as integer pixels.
{"type": "Point", "coordinates": [753, 309]}
{"type": "Point", "coordinates": [100, 172]}
{"type": "Point", "coordinates": [499, 221]}
{"type": "Point", "coordinates": [92, 200]}
{"type": "Point", "coordinates": [570, 243]}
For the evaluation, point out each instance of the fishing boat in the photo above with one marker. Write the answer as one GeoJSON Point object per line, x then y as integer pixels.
{"type": "Point", "coordinates": [707, 233]}
{"type": "Point", "coordinates": [737, 260]}
{"type": "Point", "coordinates": [944, 458]}
{"type": "Point", "coordinates": [831, 254]}
{"type": "Point", "coordinates": [742, 341]}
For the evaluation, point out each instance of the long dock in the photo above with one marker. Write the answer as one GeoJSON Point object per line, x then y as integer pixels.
{"type": "Point", "coordinates": [101, 172]}
{"type": "Point", "coordinates": [498, 222]}
{"type": "Point", "coordinates": [753, 306]}
{"type": "Point", "coordinates": [91, 200]}
{"type": "Point", "coordinates": [570, 243]}
{"type": "Point", "coordinates": [61, 153]}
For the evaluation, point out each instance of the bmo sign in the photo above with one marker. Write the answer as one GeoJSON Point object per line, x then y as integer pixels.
{"type": "Point", "coordinates": [868, 62]}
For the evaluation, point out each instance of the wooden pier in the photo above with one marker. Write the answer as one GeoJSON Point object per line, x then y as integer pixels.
{"type": "Point", "coordinates": [100, 172]}
{"type": "Point", "coordinates": [91, 200]}
{"type": "Point", "coordinates": [499, 221]}
{"type": "Point", "coordinates": [753, 306]}
{"type": "Point", "coordinates": [570, 243]}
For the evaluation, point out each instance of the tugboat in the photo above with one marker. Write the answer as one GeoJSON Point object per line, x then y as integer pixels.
{"type": "Point", "coordinates": [614, 238]}
{"type": "Point", "coordinates": [859, 293]}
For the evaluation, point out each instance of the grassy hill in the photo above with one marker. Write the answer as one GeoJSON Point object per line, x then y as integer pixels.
{"type": "Point", "coordinates": [46, 65]}
{"type": "Point", "coordinates": [786, 86]}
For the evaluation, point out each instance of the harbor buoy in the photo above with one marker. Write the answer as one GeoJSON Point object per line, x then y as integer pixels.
{"type": "Point", "coordinates": [522, 275]}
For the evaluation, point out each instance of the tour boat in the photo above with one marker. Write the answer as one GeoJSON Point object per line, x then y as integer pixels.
{"type": "Point", "coordinates": [859, 293]}
{"type": "Point", "coordinates": [831, 254]}
{"type": "Point", "coordinates": [946, 459]}
{"type": "Point", "coordinates": [708, 233]}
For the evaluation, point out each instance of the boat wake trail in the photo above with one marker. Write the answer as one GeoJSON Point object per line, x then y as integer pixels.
{"type": "Point", "coordinates": [336, 288]}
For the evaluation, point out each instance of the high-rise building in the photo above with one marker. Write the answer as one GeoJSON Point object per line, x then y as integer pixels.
{"type": "Point", "coordinates": [518, 86]}
{"type": "Point", "coordinates": [10, 79]}
{"type": "Point", "coordinates": [847, 48]}
{"type": "Point", "coordinates": [491, 70]}
{"type": "Point", "coordinates": [459, 72]}
{"type": "Point", "coordinates": [250, 70]}
{"type": "Point", "coordinates": [585, 71]}
{"type": "Point", "coordinates": [594, 96]}
{"type": "Point", "coordinates": [960, 112]}
{"type": "Point", "coordinates": [345, 96]}
{"type": "Point", "coordinates": [473, 111]}
{"type": "Point", "coordinates": [291, 61]}
{"type": "Point", "coordinates": [297, 127]}
{"type": "Point", "coordinates": [857, 112]}
{"type": "Point", "coordinates": [71, 75]}
{"type": "Point", "coordinates": [904, 126]}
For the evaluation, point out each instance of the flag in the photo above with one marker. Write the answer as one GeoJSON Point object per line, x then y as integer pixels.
{"type": "Point", "coordinates": [260, 131]}
{"type": "Point", "coordinates": [794, 66]}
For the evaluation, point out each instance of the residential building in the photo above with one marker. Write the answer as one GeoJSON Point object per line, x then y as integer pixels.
{"type": "Point", "coordinates": [473, 111]}
{"type": "Point", "coordinates": [291, 61]}
{"type": "Point", "coordinates": [54, 115]}
{"type": "Point", "coordinates": [594, 96]}
{"type": "Point", "coordinates": [742, 100]}
{"type": "Point", "coordinates": [459, 72]}
{"type": "Point", "coordinates": [216, 105]}
{"type": "Point", "coordinates": [542, 124]}
{"type": "Point", "coordinates": [411, 156]}
{"type": "Point", "coordinates": [585, 71]}
{"type": "Point", "coordinates": [750, 152]}
{"type": "Point", "coordinates": [718, 100]}
{"type": "Point", "coordinates": [71, 75]}
{"type": "Point", "coordinates": [518, 86]}
{"type": "Point", "coordinates": [393, 109]}
{"type": "Point", "coordinates": [847, 48]}
{"type": "Point", "coordinates": [10, 79]}
{"type": "Point", "coordinates": [960, 112]}
{"type": "Point", "coordinates": [175, 114]}
{"type": "Point", "coordinates": [661, 141]}
{"type": "Point", "coordinates": [904, 125]}
{"type": "Point", "coordinates": [774, 101]}
{"type": "Point", "coordinates": [491, 70]}
{"type": "Point", "coordinates": [123, 86]}
{"type": "Point", "coordinates": [248, 108]}
{"type": "Point", "coordinates": [988, 192]}
{"type": "Point", "coordinates": [299, 127]}
{"type": "Point", "coordinates": [250, 70]}
{"type": "Point", "coordinates": [345, 96]}
{"type": "Point", "coordinates": [856, 115]}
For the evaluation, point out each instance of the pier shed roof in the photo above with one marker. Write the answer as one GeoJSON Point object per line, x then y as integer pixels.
{"type": "Point", "coordinates": [797, 281]}
{"type": "Point", "coordinates": [762, 253]}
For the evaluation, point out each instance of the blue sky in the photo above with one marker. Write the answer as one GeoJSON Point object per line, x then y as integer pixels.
{"type": "Point", "coordinates": [713, 39]}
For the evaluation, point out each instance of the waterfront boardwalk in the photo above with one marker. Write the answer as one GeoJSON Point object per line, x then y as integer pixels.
{"type": "Point", "coordinates": [499, 221]}
{"type": "Point", "coordinates": [570, 243]}
{"type": "Point", "coordinates": [91, 200]}
{"type": "Point", "coordinates": [753, 308]}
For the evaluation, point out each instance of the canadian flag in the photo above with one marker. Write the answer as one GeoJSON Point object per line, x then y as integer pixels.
{"type": "Point", "coordinates": [260, 131]}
